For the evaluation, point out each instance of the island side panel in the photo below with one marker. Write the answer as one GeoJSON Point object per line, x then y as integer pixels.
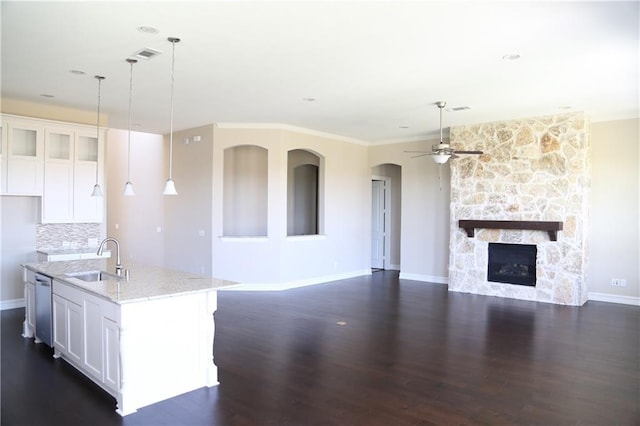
{"type": "Point", "coordinates": [166, 348]}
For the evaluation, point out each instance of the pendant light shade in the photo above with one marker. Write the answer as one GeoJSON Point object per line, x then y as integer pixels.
{"type": "Point", "coordinates": [128, 187]}
{"type": "Point", "coordinates": [97, 191]}
{"type": "Point", "coordinates": [170, 187]}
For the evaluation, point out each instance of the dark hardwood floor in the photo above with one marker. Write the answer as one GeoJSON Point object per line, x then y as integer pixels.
{"type": "Point", "coordinates": [410, 353]}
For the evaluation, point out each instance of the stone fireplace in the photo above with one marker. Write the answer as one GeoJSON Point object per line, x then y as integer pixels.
{"type": "Point", "coordinates": [532, 171]}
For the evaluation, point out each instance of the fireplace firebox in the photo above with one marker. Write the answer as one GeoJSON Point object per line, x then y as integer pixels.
{"type": "Point", "coordinates": [512, 264]}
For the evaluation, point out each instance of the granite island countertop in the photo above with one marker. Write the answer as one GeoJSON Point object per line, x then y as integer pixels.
{"type": "Point", "coordinates": [145, 282]}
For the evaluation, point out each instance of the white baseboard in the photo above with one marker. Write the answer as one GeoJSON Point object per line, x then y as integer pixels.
{"type": "Point", "coordinates": [612, 298]}
{"type": "Point", "coordinates": [11, 304]}
{"type": "Point", "coordinates": [296, 284]}
{"type": "Point", "coordinates": [425, 278]}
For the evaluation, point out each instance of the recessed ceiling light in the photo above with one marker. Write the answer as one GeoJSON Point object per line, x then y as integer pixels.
{"type": "Point", "coordinates": [403, 127]}
{"type": "Point", "coordinates": [147, 29]}
{"type": "Point", "coordinates": [511, 57]}
{"type": "Point", "coordinates": [565, 107]}
{"type": "Point", "coordinates": [458, 108]}
{"type": "Point", "coordinates": [46, 95]}
{"type": "Point", "coordinates": [77, 72]}
{"type": "Point", "coordinates": [309, 99]}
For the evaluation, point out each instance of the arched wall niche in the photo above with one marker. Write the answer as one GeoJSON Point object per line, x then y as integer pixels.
{"type": "Point", "coordinates": [305, 192]}
{"type": "Point", "coordinates": [245, 183]}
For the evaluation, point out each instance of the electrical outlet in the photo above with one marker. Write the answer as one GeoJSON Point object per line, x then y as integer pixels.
{"type": "Point", "coordinates": [618, 282]}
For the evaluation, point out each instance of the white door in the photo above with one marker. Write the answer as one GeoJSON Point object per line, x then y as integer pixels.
{"type": "Point", "coordinates": [377, 224]}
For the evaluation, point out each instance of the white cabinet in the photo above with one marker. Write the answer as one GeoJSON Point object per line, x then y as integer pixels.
{"type": "Point", "coordinates": [29, 325]}
{"type": "Point", "coordinates": [57, 203]}
{"type": "Point", "coordinates": [87, 165]}
{"type": "Point", "coordinates": [86, 333]}
{"type": "Point", "coordinates": [24, 157]}
{"type": "Point", "coordinates": [67, 329]}
{"type": "Point", "coordinates": [58, 161]}
{"type": "Point", "coordinates": [73, 157]}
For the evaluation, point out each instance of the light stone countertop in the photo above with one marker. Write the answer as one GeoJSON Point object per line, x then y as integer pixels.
{"type": "Point", "coordinates": [145, 282]}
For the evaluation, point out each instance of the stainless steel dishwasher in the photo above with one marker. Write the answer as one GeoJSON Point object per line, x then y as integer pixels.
{"type": "Point", "coordinates": [44, 331]}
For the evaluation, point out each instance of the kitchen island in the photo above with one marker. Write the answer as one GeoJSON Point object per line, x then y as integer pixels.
{"type": "Point", "coordinates": [143, 340]}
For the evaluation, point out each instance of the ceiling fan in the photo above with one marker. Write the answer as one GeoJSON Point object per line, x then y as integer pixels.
{"type": "Point", "coordinates": [443, 151]}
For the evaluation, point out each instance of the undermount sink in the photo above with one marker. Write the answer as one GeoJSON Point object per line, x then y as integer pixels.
{"type": "Point", "coordinates": [94, 276]}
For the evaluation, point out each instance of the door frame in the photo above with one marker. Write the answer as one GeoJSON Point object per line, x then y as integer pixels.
{"type": "Point", "coordinates": [386, 262]}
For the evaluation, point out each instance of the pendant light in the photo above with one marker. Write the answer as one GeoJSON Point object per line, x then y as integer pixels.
{"type": "Point", "coordinates": [128, 187]}
{"type": "Point", "coordinates": [97, 191]}
{"type": "Point", "coordinates": [170, 187]}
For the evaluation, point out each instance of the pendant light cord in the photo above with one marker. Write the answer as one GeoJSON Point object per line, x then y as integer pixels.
{"type": "Point", "coordinates": [173, 62]}
{"type": "Point", "coordinates": [99, 78]}
{"type": "Point", "coordinates": [131, 62]}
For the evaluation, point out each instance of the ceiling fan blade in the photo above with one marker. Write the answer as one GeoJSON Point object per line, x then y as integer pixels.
{"type": "Point", "coordinates": [421, 155]}
{"type": "Point", "coordinates": [469, 152]}
{"type": "Point", "coordinates": [416, 152]}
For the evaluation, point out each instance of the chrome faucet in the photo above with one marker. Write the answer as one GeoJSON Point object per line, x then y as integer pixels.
{"type": "Point", "coordinates": [118, 264]}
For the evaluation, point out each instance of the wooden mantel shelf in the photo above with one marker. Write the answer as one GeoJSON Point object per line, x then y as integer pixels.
{"type": "Point", "coordinates": [550, 227]}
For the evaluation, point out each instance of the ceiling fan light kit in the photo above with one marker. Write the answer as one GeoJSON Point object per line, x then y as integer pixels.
{"type": "Point", "coordinates": [442, 152]}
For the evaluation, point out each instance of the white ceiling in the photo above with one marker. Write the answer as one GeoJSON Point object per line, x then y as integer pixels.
{"type": "Point", "coordinates": [373, 68]}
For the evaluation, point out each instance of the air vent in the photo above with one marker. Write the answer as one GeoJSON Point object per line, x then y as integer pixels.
{"type": "Point", "coordinates": [147, 53]}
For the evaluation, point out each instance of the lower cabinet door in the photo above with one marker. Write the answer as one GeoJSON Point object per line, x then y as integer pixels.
{"type": "Point", "coordinates": [93, 338]}
{"type": "Point", "coordinates": [30, 305]}
{"type": "Point", "coordinates": [75, 343]}
{"type": "Point", "coordinates": [59, 324]}
{"type": "Point", "coordinates": [111, 348]}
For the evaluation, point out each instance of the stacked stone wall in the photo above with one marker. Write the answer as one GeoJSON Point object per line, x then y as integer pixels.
{"type": "Point", "coordinates": [533, 169]}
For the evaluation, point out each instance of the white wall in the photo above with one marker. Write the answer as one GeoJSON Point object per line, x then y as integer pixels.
{"type": "Point", "coordinates": [614, 208]}
{"type": "Point", "coordinates": [19, 216]}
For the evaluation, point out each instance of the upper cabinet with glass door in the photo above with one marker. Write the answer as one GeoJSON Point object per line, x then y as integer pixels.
{"type": "Point", "coordinates": [24, 157]}
{"type": "Point", "coordinates": [73, 161]}
{"type": "Point", "coordinates": [88, 166]}
{"type": "Point", "coordinates": [57, 201]}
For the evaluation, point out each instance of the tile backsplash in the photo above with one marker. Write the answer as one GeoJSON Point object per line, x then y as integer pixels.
{"type": "Point", "coordinates": [56, 235]}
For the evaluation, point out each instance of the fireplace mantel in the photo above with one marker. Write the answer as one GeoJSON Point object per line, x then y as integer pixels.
{"type": "Point", "coordinates": [551, 228]}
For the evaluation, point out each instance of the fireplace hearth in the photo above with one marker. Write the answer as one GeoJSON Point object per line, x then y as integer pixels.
{"type": "Point", "coordinates": [512, 264]}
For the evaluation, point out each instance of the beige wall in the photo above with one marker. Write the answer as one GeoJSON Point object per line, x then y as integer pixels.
{"type": "Point", "coordinates": [133, 221]}
{"type": "Point", "coordinates": [424, 235]}
{"type": "Point", "coordinates": [614, 199]}
{"type": "Point", "coordinates": [614, 207]}
{"type": "Point", "coordinates": [188, 216]}
{"type": "Point", "coordinates": [275, 258]}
